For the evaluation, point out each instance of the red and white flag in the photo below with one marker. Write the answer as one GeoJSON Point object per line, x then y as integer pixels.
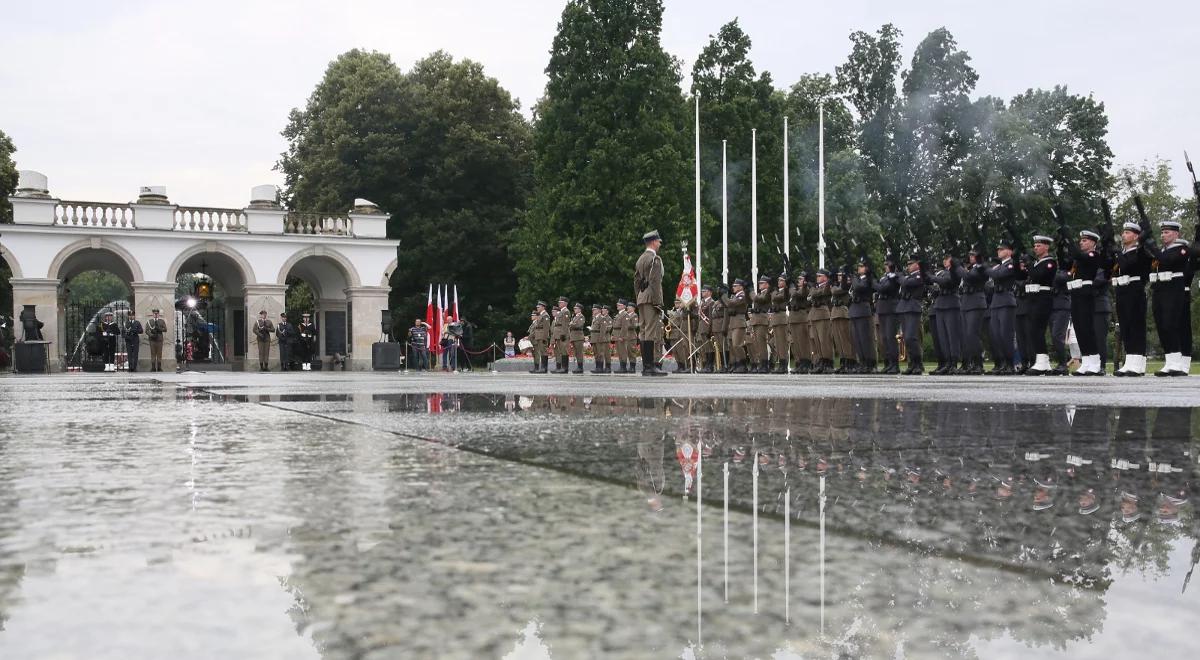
{"type": "Point", "coordinates": [441, 319]}
{"type": "Point", "coordinates": [456, 303]}
{"type": "Point", "coordinates": [429, 311]}
{"type": "Point", "coordinates": [687, 289]}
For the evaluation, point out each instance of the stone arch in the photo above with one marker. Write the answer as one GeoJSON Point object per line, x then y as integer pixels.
{"type": "Point", "coordinates": [213, 247]}
{"type": "Point", "coordinates": [95, 244]}
{"type": "Point", "coordinates": [11, 259]}
{"type": "Point", "coordinates": [320, 251]}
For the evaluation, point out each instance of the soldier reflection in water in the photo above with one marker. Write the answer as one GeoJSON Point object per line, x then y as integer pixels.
{"type": "Point", "coordinates": [650, 469]}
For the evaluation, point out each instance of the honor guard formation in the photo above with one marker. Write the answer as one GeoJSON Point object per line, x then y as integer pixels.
{"type": "Point", "coordinates": [1001, 306]}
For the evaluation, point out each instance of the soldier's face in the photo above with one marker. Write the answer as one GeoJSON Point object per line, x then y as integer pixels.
{"type": "Point", "coordinates": [822, 279]}
{"type": "Point", "coordinates": [1169, 236]}
{"type": "Point", "coordinates": [1041, 249]}
{"type": "Point", "coordinates": [737, 288]}
{"type": "Point", "coordinates": [1087, 244]}
{"type": "Point", "coordinates": [1004, 253]}
{"type": "Point", "coordinates": [1129, 237]}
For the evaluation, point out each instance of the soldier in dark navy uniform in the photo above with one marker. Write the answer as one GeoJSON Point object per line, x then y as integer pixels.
{"type": "Point", "coordinates": [1103, 310]}
{"type": "Point", "coordinates": [1004, 277]}
{"type": "Point", "coordinates": [107, 330]}
{"type": "Point", "coordinates": [1060, 321]}
{"type": "Point", "coordinates": [1130, 276]}
{"type": "Point", "coordinates": [948, 308]}
{"type": "Point", "coordinates": [973, 302]}
{"type": "Point", "coordinates": [1039, 299]}
{"type": "Point", "coordinates": [1086, 260]}
{"type": "Point", "coordinates": [887, 294]}
{"type": "Point", "coordinates": [1171, 303]}
{"type": "Point", "coordinates": [912, 293]}
{"type": "Point", "coordinates": [862, 327]}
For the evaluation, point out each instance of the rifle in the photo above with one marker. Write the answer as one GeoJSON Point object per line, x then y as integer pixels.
{"type": "Point", "coordinates": [1143, 219]}
{"type": "Point", "coordinates": [1195, 191]}
{"type": "Point", "coordinates": [1108, 238]}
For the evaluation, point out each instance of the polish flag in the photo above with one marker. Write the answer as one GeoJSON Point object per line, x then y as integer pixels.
{"type": "Point", "coordinates": [429, 340]}
{"type": "Point", "coordinates": [439, 320]}
{"type": "Point", "coordinates": [687, 290]}
{"type": "Point", "coordinates": [456, 303]}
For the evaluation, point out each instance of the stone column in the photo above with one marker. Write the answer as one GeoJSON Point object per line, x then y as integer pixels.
{"type": "Point", "coordinates": [147, 297]}
{"type": "Point", "coordinates": [259, 297]}
{"type": "Point", "coordinates": [43, 293]}
{"type": "Point", "coordinates": [366, 303]}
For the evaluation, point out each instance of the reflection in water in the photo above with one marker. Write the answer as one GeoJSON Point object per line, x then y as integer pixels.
{"type": "Point", "coordinates": [1071, 497]}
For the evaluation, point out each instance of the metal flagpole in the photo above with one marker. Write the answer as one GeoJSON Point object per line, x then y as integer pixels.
{"type": "Point", "coordinates": [698, 250]}
{"type": "Point", "coordinates": [786, 234]}
{"type": "Point", "coordinates": [753, 206]}
{"type": "Point", "coordinates": [821, 185]}
{"type": "Point", "coordinates": [724, 217]}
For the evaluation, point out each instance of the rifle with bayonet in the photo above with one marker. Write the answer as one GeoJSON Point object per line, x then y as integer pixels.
{"type": "Point", "coordinates": [1195, 191]}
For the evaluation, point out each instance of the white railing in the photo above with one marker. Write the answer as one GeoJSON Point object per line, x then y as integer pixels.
{"type": "Point", "coordinates": [194, 218]}
{"type": "Point", "coordinates": [93, 214]}
{"type": "Point", "coordinates": [318, 223]}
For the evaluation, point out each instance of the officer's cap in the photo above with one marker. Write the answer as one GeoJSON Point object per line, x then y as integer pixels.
{"type": "Point", "coordinates": [764, 278]}
{"type": "Point", "coordinates": [739, 282]}
{"type": "Point", "coordinates": [823, 272]}
{"type": "Point", "coordinates": [651, 236]}
{"type": "Point", "coordinates": [541, 303]}
{"type": "Point", "coordinates": [604, 307]}
{"type": "Point", "coordinates": [1132, 226]}
{"type": "Point", "coordinates": [1043, 239]}
{"type": "Point", "coordinates": [1087, 233]}
{"type": "Point", "coordinates": [912, 259]}
{"type": "Point", "coordinates": [1170, 224]}
{"type": "Point", "coordinates": [562, 299]}
{"type": "Point", "coordinates": [154, 311]}
{"type": "Point", "coordinates": [1004, 245]}
{"type": "Point", "coordinates": [622, 301]}
{"type": "Point", "coordinates": [862, 261]}
{"type": "Point", "coordinates": [260, 312]}
{"type": "Point", "coordinates": [578, 305]}
{"type": "Point", "coordinates": [707, 287]}
{"type": "Point", "coordinates": [595, 305]}
{"type": "Point", "coordinates": [283, 315]}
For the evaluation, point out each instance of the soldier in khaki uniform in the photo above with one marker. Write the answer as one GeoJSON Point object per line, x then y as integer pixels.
{"type": "Point", "coordinates": [540, 336]}
{"type": "Point", "coordinates": [647, 282]}
{"type": "Point", "coordinates": [799, 326]}
{"type": "Point", "coordinates": [777, 319]}
{"type": "Point", "coordinates": [633, 327]}
{"type": "Point", "coordinates": [839, 318]}
{"type": "Point", "coordinates": [818, 316]}
{"type": "Point", "coordinates": [760, 304]}
{"type": "Point", "coordinates": [620, 333]}
{"type": "Point", "coordinates": [263, 329]}
{"type": "Point", "coordinates": [578, 331]}
{"type": "Point", "coordinates": [735, 315]}
{"type": "Point", "coordinates": [720, 333]}
{"type": "Point", "coordinates": [601, 327]}
{"type": "Point", "coordinates": [560, 333]}
{"type": "Point", "coordinates": [704, 325]}
{"type": "Point", "coordinates": [156, 331]}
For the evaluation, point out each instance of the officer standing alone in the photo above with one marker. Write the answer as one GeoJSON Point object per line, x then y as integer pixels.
{"type": "Point", "coordinates": [647, 280]}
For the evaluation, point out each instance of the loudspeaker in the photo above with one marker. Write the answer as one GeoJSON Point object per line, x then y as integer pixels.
{"type": "Point", "coordinates": [30, 357]}
{"type": "Point", "coordinates": [385, 323]}
{"type": "Point", "coordinates": [385, 356]}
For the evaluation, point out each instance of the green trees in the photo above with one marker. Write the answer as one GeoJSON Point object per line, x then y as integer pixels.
{"type": "Point", "coordinates": [611, 155]}
{"type": "Point", "coordinates": [443, 148]}
{"type": "Point", "coordinates": [8, 176]}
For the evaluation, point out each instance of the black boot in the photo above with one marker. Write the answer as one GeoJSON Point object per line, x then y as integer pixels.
{"type": "Point", "coordinates": [649, 368]}
{"type": "Point", "coordinates": [578, 366]}
{"type": "Point", "coordinates": [545, 364]}
{"type": "Point", "coordinates": [537, 366]}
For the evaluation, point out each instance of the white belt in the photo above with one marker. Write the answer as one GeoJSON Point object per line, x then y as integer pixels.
{"type": "Point", "coordinates": [1037, 288]}
{"type": "Point", "coordinates": [1035, 456]}
{"type": "Point", "coordinates": [1077, 461]}
{"type": "Point", "coordinates": [1164, 276]}
{"type": "Point", "coordinates": [1163, 468]}
{"type": "Point", "coordinates": [1075, 284]}
{"type": "Point", "coordinates": [1122, 464]}
{"type": "Point", "coordinates": [1125, 280]}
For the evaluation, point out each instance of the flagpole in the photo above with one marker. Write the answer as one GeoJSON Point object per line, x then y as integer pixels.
{"type": "Point", "coordinates": [786, 234]}
{"type": "Point", "coordinates": [698, 251]}
{"type": "Point", "coordinates": [724, 216]}
{"type": "Point", "coordinates": [821, 185]}
{"type": "Point", "coordinates": [753, 208]}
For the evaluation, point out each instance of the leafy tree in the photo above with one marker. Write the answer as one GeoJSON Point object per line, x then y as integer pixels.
{"type": "Point", "coordinates": [1151, 180]}
{"type": "Point", "coordinates": [8, 177]}
{"type": "Point", "coordinates": [611, 155]}
{"type": "Point", "coordinates": [96, 287]}
{"type": "Point", "coordinates": [868, 81]}
{"type": "Point", "coordinates": [443, 148]}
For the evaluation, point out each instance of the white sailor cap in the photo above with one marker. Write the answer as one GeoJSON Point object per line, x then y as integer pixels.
{"type": "Point", "coordinates": [1170, 224]}
{"type": "Point", "coordinates": [1041, 238]}
{"type": "Point", "coordinates": [1132, 226]}
{"type": "Point", "coordinates": [1087, 233]}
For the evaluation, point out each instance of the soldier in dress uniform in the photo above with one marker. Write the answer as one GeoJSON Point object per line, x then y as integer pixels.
{"type": "Point", "coordinates": [1103, 288]}
{"type": "Point", "coordinates": [283, 334]}
{"type": "Point", "coordinates": [862, 331]}
{"type": "Point", "coordinates": [839, 321]}
{"type": "Point", "coordinates": [560, 333]}
{"type": "Point", "coordinates": [973, 302]}
{"type": "Point", "coordinates": [647, 283]}
{"type": "Point", "coordinates": [577, 327]}
{"type": "Point", "coordinates": [1021, 318]}
{"type": "Point", "coordinates": [133, 340]}
{"type": "Point", "coordinates": [887, 293]}
{"type": "Point", "coordinates": [760, 305]}
{"type": "Point", "coordinates": [818, 317]}
{"type": "Point", "coordinates": [601, 335]}
{"type": "Point", "coordinates": [1060, 320]}
{"type": "Point", "coordinates": [1039, 300]}
{"type": "Point", "coordinates": [308, 341]}
{"type": "Point", "coordinates": [798, 326]}
{"type": "Point", "coordinates": [1002, 308]}
{"type": "Point", "coordinates": [156, 331]}
{"type": "Point", "coordinates": [263, 329]}
{"type": "Point", "coordinates": [539, 334]}
{"type": "Point", "coordinates": [948, 309]}
{"type": "Point", "coordinates": [777, 320]}
{"type": "Point", "coordinates": [704, 329]}
{"type": "Point", "coordinates": [1129, 286]}
{"type": "Point", "coordinates": [912, 293]}
{"type": "Point", "coordinates": [1086, 260]}
{"type": "Point", "coordinates": [108, 331]}
{"type": "Point", "coordinates": [720, 331]}
{"type": "Point", "coordinates": [735, 315]}
{"type": "Point", "coordinates": [619, 337]}
{"type": "Point", "coordinates": [1172, 300]}
{"type": "Point", "coordinates": [633, 328]}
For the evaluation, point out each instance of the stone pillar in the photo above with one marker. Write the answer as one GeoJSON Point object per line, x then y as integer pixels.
{"type": "Point", "coordinates": [43, 293]}
{"type": "Point", "coordinates": [368, 220]}
{"type": "Point", "coordinates": [147, 297]}
{"type": "Point", "coordinates": [32, 204]}
{"type": "Point", "coordinates": [153, 210]}
{"type": "Point", "coordinates": [259, 297]}
{"type": "Point", "coordinates": [366, 305]}
{"type": "Point", "coordinates": [264, 216]}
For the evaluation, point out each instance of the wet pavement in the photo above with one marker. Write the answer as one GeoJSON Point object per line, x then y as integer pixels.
{"type": "Point", "coordinates": [370, 515]}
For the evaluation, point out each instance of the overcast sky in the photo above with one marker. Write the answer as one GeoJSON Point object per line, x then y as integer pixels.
{"type": "Point", "coordinates": [104, 97]}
